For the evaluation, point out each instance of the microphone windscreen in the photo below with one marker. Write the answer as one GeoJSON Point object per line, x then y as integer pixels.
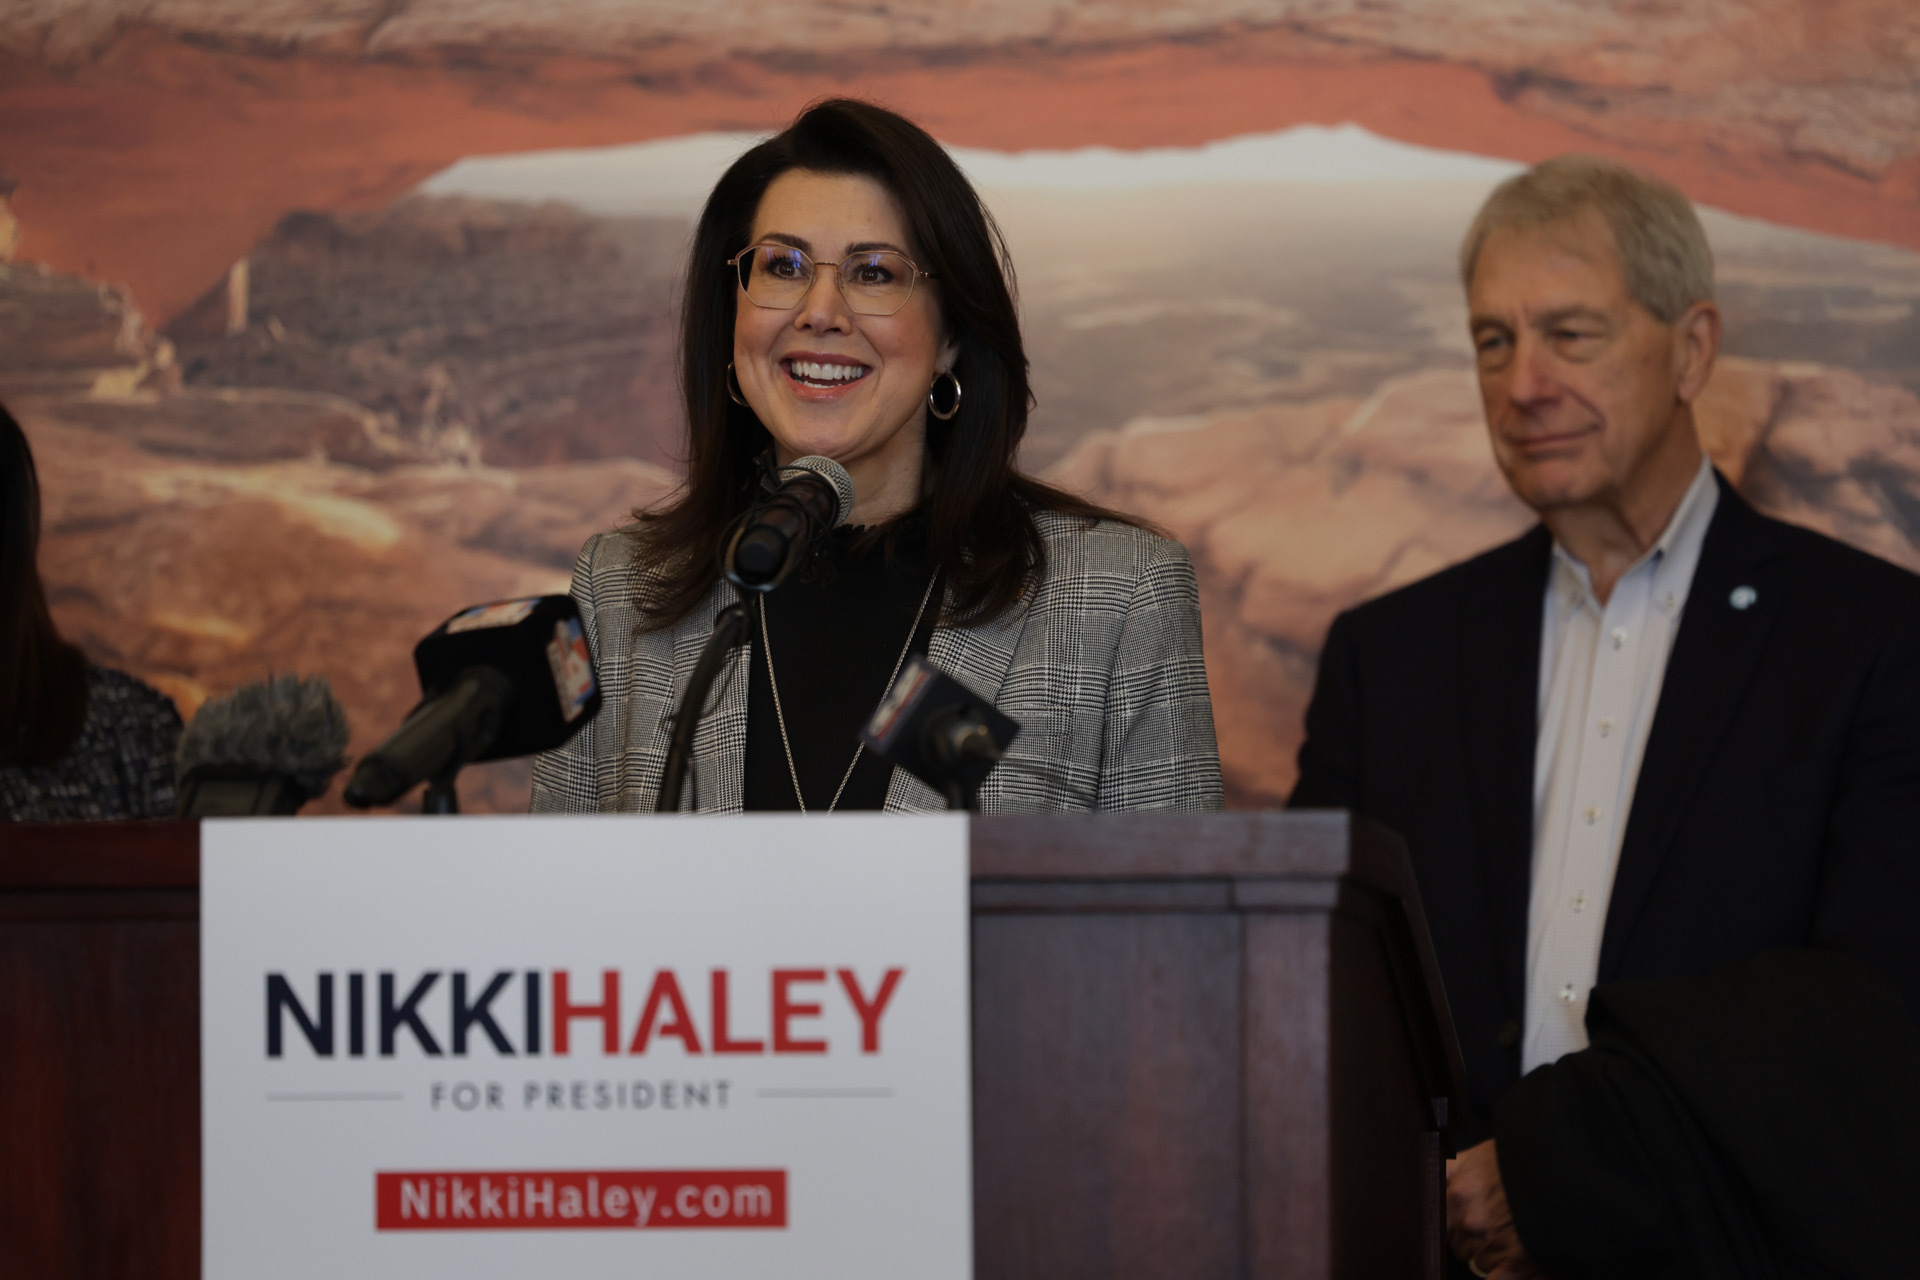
{"type": "Point", "coordinates": [282, 725]}
{"type": "Point", "coordinates": [830, 471]}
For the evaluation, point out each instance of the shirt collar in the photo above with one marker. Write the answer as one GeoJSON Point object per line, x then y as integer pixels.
{"type": "Point", "coordinates": [1673, 556]}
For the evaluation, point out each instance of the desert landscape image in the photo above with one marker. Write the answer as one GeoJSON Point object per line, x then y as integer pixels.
{"type": "Point", "coordinates": [324, 324]}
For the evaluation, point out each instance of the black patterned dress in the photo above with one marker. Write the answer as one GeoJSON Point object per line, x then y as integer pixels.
{"type": "Point", "coordinates": [121, 765]}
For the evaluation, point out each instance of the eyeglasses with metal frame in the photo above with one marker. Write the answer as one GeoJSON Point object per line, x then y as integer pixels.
{"type": "Point", "coordinates": [875, 282]}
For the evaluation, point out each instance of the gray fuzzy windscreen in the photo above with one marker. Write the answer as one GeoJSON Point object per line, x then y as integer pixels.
{"type": "Point", "coordinates": [282, 725]}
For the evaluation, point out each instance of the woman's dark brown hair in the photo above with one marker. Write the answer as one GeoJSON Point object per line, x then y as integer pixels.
{"type": "Point", "coordinates": [43, 679]}
{"type": "Point", "coordinates": [980, 509]}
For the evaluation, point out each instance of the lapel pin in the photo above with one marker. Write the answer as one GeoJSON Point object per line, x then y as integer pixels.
{"type": "Point", "coordinates": [1743, 597]}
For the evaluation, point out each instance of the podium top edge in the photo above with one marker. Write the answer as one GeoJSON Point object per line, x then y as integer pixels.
{"type": "Point", "coordinates": [1153, 846]}
{"type": "Point", "coordinates": [1116, 846]}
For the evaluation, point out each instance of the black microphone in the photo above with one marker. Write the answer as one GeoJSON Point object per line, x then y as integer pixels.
{"type": "Point", "coordinates": [814, 495]}
{"type": "Point", "coordinates": [808, 498]}
{"type": "Point", "coordinates": [497, 680]}
{"type": "Point", "coordinates": [266, 748]}
{"type": "Point", "coordinates": [939, 731]}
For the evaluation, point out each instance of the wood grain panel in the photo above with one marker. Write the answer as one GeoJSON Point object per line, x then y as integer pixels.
{"type": "Point", "coordinates": [1288, 1145]}
{"type": "Point", "coordinates": [100, 1096]}
{"type": "Point", "coordinates": [1106, 1096]}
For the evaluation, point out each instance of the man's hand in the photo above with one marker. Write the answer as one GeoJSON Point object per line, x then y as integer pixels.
{"type": "Point", "coordinates": [1479, 1224]}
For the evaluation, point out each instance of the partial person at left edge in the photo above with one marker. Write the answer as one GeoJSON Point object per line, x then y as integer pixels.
{"type": "Point", "coordinates": [848, 298]}
{"type": "Point", "coordinates": [78, 742]}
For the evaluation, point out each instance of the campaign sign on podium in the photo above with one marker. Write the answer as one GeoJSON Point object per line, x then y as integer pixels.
{"type": "Point", "coordinates": [607, 1046]}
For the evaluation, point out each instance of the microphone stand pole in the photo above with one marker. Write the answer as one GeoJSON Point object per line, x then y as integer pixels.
{"type": "Point", "coordinates": [440, 795]}
{"type": "Point", "coordinates": [733, 626]}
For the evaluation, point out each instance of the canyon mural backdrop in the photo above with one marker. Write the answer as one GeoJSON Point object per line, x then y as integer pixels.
{"type": "Point", "coordinates": [329, 317]}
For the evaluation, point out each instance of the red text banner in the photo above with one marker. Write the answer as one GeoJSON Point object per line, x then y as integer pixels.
{"type": "Point", "coordinates": [589, 1199]}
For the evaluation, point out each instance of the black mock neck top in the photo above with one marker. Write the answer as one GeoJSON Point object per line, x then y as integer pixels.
{"type": "Point", "coordinates": [835, 630]}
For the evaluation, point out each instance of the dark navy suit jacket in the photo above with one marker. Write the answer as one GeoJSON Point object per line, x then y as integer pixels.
{"type": "Point", "coordinates": [1778, 802]}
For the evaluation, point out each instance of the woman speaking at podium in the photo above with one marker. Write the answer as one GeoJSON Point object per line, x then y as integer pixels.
{"type": "Point", "coordinates": [848, 296]}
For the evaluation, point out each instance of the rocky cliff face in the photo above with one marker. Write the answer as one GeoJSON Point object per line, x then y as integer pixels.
{"type": "Point", "coordinates": [202, 537]}
{"type": "Point", "coordinates": [526, 335]}
{"type": "Point", "coordinates": [201, 576]}
{"type": "Point", "coordinates": [1293, 513]}
{"type": "Point", "coordinates": [9, 225]}
{"type": "Point", "coordinates": [68, 335]}
{"type": "Point", "coordinates": [385, 417]}
{"type": "Point", "coordinates": [1803, 111]}
{"type": "Point", "coordinates": [1762, 77]}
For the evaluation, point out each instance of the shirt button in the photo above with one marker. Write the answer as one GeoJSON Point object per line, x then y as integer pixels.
{"type": "Point", "coordinates": [1619, 636]}
{"type": "Point", "coordinates": [1566, 994]}
{"type": "Point", "coordinates": [1670, 604]}
{"type": "Point", "coordinates": [1593, 814]}
{"type": "Point", "coordinates": [1606, 727]}
{"type": "Point", "coordinates": [1579, 901]}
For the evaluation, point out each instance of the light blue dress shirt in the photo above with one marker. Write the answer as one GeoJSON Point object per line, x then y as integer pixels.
{"type": "Point", "coordinates": [1601, 667]}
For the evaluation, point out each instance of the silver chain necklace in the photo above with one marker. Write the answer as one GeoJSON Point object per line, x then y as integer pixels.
{"type": "Point", "coordinates": [766, 647]}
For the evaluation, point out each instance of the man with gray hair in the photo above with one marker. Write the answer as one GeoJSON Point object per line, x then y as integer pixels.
{"type": "Point", "coordinates": [1657, 763]}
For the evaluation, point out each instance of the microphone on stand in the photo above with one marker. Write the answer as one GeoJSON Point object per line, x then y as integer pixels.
{"type": "Point", "coordinates": [265, 748]}
{"type": "Point", "coordinates": [815, 494]}
{"type": "Point", "coordinates": [939, 731]}
{"type": "Point", "coordinates": [497, 680]}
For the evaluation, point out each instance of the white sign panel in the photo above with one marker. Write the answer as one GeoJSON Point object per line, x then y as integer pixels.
{"type": "Point", "coordinates": [526, 1046]}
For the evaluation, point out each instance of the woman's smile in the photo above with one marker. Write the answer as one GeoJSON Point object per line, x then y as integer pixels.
{"type": "Point", "coordinates": [823, 372]}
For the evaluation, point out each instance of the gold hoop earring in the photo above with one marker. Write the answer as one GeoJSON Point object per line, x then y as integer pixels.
{"type": "Point", "coordinates": [933, 407]}
{"type": "Point", "coordinates": [733, 388]}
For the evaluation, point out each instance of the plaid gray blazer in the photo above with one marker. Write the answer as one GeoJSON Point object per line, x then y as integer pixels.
{"type": "Point", "coordinates": [1100, 667]}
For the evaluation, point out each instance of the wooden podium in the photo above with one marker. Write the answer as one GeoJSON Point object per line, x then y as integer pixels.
{"type": "Point", "coordinates": [1203, 1046]}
